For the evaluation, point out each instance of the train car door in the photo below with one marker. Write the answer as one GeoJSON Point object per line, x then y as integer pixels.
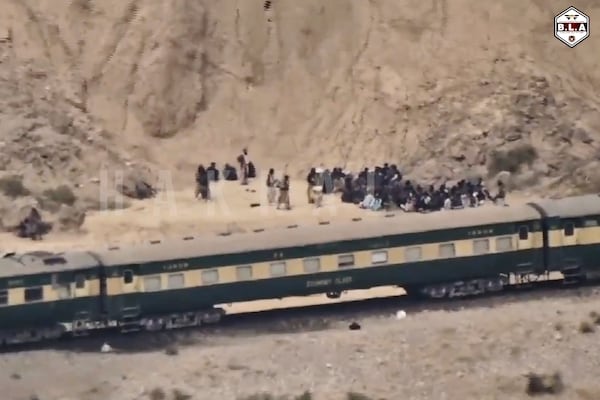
{"type": "Point", "coordinates": [129, 296]}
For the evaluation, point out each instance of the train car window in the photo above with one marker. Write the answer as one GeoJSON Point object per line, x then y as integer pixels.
{"type": "Point", "coordinates": [33, 294]}
{"type": "Point", "coordinates": [379, 257]}
{"type": "Point", "coordinates": [63, 291]}
{"type": "Point", "coordinates": [447, 250]}
{"type": "Point", "coordinates": [152, 283]}
{"type": "Point", "coordinates": [79, 281]}
{"type": "Point", "coordinates": [3, 297]}
{"type": "Point", "coordinates": [210, 276]}
{"type": "Point", "coordinates": [523, 233]}
{"type": "Point", "coordinates": [590, 222]}
{"type": "Point", "coordinates": [312, 265]}
{"type": "Point", "coordinates": [278, 269]}
{"type": "Point", "coordinates": [128, 276]}
{"type": "Point", "coordinates": [244, 273]}
{"type": "Point", "coordinates": [345, 260]}
{"type": "Point", "coordinates": [569, 229]}
{"type": "Point", "coordinates": [413, 254]}
{"type": "Point", "coordinates": [176, 281]}
{"type": "Point", "coordinates": [504, 243]}
{"type": "Point", "coordinates": [481, 246]}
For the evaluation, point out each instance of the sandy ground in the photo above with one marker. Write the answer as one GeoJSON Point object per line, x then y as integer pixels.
{"type": "Point", "coordinates": [476, 353]}
{"type": "Point", "coordinates": [176, 213]}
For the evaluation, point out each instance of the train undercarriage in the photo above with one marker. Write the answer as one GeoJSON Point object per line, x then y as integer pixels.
{"type": "Point", "coordinates": [84, 327]}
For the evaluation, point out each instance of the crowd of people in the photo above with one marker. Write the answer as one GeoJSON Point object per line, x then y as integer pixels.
{"type": "Point", "coordinates": [204, 177]}
{"type": "Point", "coordinates": [378, 188]}
{"type": "Point", "coordinates": [385, 187]}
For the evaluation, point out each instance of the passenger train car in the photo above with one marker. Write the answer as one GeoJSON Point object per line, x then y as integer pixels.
{"type": "Point", "coordinates": [178, 283]}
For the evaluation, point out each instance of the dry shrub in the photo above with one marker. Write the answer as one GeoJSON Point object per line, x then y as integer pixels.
{"type": "Point", "coordinates": [595, 317]}
{"type": "Point", "coordinates": [511, 160]}
{"type": "Point", "coordinates": [558, 326]}
{"type": "Point", "coordinates": [157, 394]}
{"type": "Point", "coordinates": [538, 384]}
{"type": "Point", "coordinates": [304, 396]}
{"type": "Point", "coordinates": [61, 195]}
{"type": "Point", "coordinates": [180, 395]}
{"type": "Point", "coordinates": [171, 350]}
{"type": "Point", "coordinates": [586, 327]}
{"type": "Point", "coordinates": [357, 396]}
{"type": "Point", "coordinates": [12, 186]}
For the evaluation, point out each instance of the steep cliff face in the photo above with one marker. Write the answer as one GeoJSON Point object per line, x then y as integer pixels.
{"type": "Point", "coordinates": [441, 87]}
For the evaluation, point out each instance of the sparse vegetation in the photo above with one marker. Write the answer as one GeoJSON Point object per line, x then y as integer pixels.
{"type": "Point", "coordinates": [511, 160]}
{"type": "Point", "coordinates": [558, 326]}
{"type": "Point", "coordinates": [15, 376]}
{"type": "Point", "coordinates": [171, 350]}
{"type": "Point", "coordinates": [595, 317]}
{"type": "Point", "coordinates": [586, 327]}
{"type": "Point", "coordinates": [357, 396]}
{"type": "Point", "coordinates": [267, 396]}
{"type": "Point", "coordinates": [538, 384]}
{"type": "Point", "coordinates": [157, 394]}
{"type": "Point", "coordinates": [180, 395]}
{"type": "Point", "coordinates": [12, 186]}
{"type": "Point", "coordinates": [61, 195]}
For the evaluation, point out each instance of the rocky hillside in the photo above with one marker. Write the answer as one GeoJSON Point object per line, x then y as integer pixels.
{"type": "Point", "coordinates": [441, 87]}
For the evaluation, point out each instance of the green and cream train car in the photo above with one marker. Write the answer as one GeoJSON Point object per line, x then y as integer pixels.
{"type": "Point", "coordinates": [572, 234]}
{"type": "Point", "coordinates": [440, 254]}
{"type": "Point", "coordinates": [175, 283]}
{"type": "Point", "coordinates": [43, 295]}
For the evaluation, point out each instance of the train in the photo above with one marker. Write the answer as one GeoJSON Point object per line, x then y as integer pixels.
{"type": "Point", "coordinates": [181, 282]}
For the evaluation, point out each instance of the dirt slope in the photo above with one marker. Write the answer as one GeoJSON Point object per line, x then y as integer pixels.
{"type": "Point", "coordinates": [303, 81]}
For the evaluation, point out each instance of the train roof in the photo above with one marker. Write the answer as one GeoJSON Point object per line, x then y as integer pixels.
{"type": "Point", "coordinates": [38, 262]}
{"type": "Point", "coordinates": [400, 223]}
{"type": "Point", "coordinates": [569, 207]}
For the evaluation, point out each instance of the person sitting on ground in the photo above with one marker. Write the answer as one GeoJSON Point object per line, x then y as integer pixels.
{"type": "Point", "coordinates": [230, 173]}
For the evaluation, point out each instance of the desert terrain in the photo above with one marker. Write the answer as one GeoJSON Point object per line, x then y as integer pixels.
{"type": "Point", "coordinates": [97, 91]}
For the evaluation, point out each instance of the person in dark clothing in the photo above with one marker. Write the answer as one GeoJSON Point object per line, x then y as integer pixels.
{"type": "Point", "coordinates": [202, 183]}
{"type": "Point", "coordinates": [501, 195]}
{"type": "Point", "coordinates": [230, 173]}
{"type": "Point", "coordinates": [32, 226]}
{"type": "Point", "coordinates": [213, 172]}
{"type": "Point", "coordinates": [311, 182]}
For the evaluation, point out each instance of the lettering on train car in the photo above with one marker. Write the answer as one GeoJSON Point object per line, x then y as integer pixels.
{"type": "Point", "coordinates": [16, 282]}
{"type": "Point", "coordinates": [481, 232]}
{"type": "Point", "coordinates": [317, 283]}
{"type": "Point", "coordinates": [344, 280]}
{"type": "Point", "coordinates": [175, 266]}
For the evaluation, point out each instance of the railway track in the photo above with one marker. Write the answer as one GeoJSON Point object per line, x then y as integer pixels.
{"type": "Point", "coordinates": [305, 318]}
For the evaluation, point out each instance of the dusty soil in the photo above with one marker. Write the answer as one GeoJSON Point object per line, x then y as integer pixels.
{"type": "Point", "coordinates": [476, 353]}
{"type": "Point", "coordinates": [89, 85]}
{"type": "Point", "coordinates": [90, 88]}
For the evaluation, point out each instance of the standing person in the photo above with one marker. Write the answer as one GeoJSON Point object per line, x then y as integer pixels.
{"type": "Point", "coordinates": [202, 183]}
{"type": "Point", "coordinates": [284, 193]}
{"type": "Point", "coordinates": [311, 181]}
{"type": "Point", "coordinates": [271, 189]}
{"type": "Point", "coordinates": [243, 159]}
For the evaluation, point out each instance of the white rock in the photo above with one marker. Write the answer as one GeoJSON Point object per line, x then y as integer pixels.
{"type": "Point", "coordinates": [401, 314]}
